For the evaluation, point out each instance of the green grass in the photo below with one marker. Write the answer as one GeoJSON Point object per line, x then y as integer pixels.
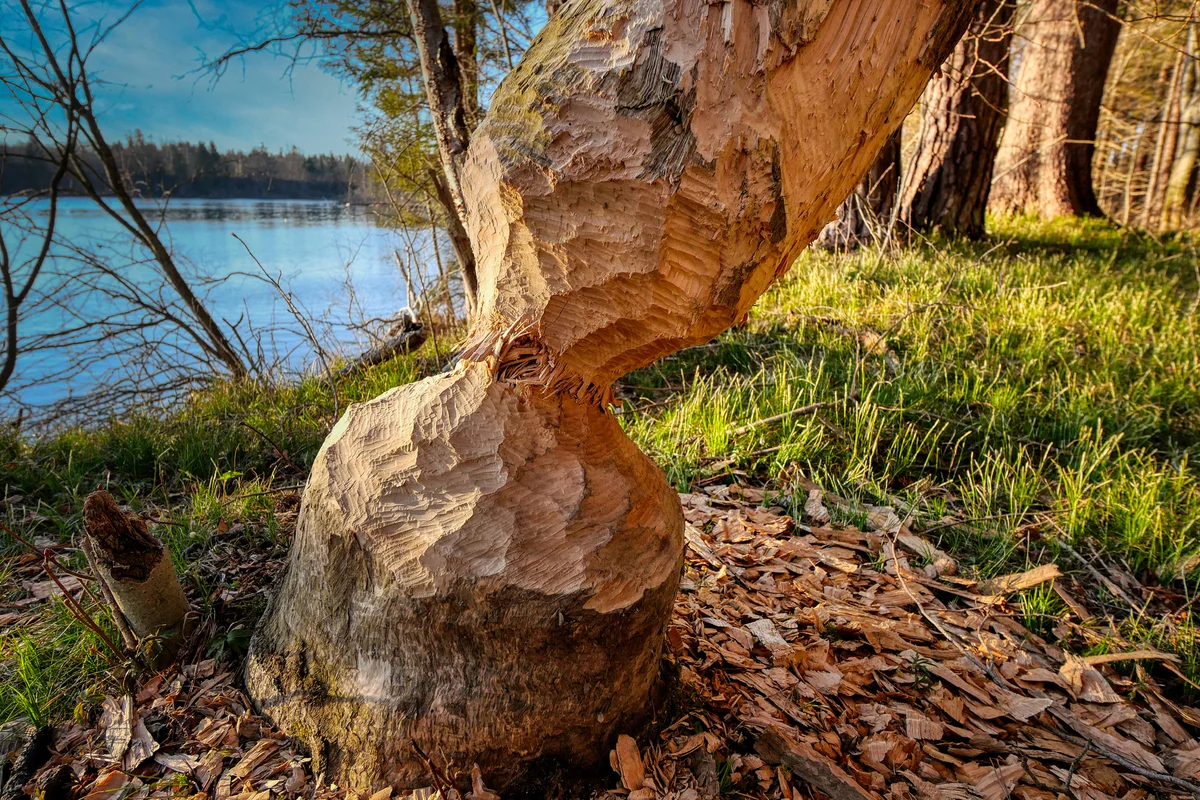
{"type": "Point", "coordinates": [1036, 388]}
{"type": "Point", "coordinates": [1049, 374]}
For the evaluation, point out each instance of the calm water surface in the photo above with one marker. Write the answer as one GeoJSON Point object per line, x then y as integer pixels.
{"type": "Point", "coordinates": [316, 245]}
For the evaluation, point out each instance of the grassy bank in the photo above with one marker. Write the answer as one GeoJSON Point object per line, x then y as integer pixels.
{"type": "Point", "coordinates": [1011, 399]}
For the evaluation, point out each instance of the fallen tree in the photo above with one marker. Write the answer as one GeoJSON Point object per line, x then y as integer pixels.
{"type": "Point", "coordinates": [484, 562]}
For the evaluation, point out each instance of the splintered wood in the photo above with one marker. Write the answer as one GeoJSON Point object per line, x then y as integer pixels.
{"type": "Point", "coordinates": [812, 661]}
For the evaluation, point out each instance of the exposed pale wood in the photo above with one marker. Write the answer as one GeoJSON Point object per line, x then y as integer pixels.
{"type": "Point", "coordinates": [479, 568]}
{"type": "Point", "coordinates": [1017, 581]}
{"type": "Point", "coordinates": [651, 167]}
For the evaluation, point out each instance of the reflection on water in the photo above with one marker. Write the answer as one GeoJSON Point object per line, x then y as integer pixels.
{"type": "Point", "coordinates": [318, 247]}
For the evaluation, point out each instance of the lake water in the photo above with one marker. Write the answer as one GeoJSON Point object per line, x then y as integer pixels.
{"type": "Point", "coordinates": [317, 247]}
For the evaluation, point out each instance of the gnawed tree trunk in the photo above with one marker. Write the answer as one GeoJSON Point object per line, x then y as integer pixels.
{"type": "Point", "coordinates": [1045, 162]}
{"type": "Point", "coordinates": [950, 176]}
{"type": "Point", "coordinates": [484, 563]}
{"type": "Point", "coordinates": [866, 215]}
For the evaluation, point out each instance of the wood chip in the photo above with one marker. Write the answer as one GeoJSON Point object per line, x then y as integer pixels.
{"type": "Point", "coordinates": [1018, 581]}
{"type": "Point", "coordinates": [629, 763]}
{"type": "Point", "coordinates": [809, 765]}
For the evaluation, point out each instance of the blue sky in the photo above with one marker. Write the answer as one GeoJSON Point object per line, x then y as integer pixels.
{"type": "Point", "coordinates": [150, 64]}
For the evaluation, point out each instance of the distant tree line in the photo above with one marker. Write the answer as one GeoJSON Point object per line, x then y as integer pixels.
{"type": "Point", "coordinates": [187, 169]}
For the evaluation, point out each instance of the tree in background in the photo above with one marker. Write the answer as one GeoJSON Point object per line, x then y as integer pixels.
{"type": "Point", "coordinates": [949, 176]}
{"type": "Point", "coordinates": [1147, 113]}
{"type": "Point", "coordinates": [866, 215]}
{"type": "Point", "coordinates": [1179, 185]}
{"type": "Point", "coordinates": [1044, 166]}
{"type": "Point", "coordinates": [153, 170]}
{"type": "Point", "coordinates": [423, 69]}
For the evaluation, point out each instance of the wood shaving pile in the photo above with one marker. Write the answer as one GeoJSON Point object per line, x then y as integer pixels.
{"type": "Point", "coordinates": [812, 661]}
{"type": "Point", "coordinates": [824, 661]}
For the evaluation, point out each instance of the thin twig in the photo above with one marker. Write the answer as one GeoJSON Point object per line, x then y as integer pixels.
{"type": "Point", "coordinates": [69, 601]}
{"type": "Point", "coordinates": [282, 453]}
{"type": "Point", "coordinates": [1075, 764]}
{"type": "Point", "coordinates": [1104, 580]}
{"type": "Point", "coordinates": [275, 490]}
{"type": "Point", "coordinates": [312, 337]}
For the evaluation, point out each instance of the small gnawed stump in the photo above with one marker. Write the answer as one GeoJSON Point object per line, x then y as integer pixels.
{"type": "Point", "coordinates": [483, 573]}
{"type": "Point", "coordinates": [138, 572]}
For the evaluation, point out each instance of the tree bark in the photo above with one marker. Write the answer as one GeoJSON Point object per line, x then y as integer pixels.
{"type": "Point", "coordinates": [1045, 162]}
{"type": "Point", "coordinates": [466, 25]}
{"type": "Point", "coordinates": [485, 564]}
{"type": "Point", "coordinates": [950, 176]}
{"type": "Point", "coordinates": [867, 214]}
{"type": "Point", "coordinates": [1187, 145]}
{"type": "Point", "coordinates": [1164, 148]}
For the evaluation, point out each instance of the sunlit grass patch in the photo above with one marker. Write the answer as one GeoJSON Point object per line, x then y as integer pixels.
{"type": "Point", "coordinates": [1049, 374]}
{"type": "Point", "coordinates": [52, 665]}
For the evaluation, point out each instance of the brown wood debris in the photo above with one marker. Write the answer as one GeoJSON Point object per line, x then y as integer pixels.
{"type": "Point", "coordinates": [812, 662]}
{"type": "Point", "coordinates": [819, 662]}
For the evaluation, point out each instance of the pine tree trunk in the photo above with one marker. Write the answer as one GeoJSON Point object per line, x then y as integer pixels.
{"type": "Point", "coordinates": [1045, 162]}
{"type": "Point", "coordinates": [866, 215]}
{"type": "Point", "coordinates": [484, 563]}
{"type": "Point", "coordinates": [950, 176]}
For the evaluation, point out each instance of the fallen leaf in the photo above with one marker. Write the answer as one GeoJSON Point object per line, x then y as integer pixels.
{"type": "Point", "coordinates": [1085, 681]}
{"type": "Point", "coordinates": [117, 723]}
{"type": "Point", "coordinates": [178, 762]}
{"type": "Point", "coordinates": [141, 746]}
{"type": "Point", "coordinates": [257, 754]}
{"type": "Point", "coordinates": [108, 786]}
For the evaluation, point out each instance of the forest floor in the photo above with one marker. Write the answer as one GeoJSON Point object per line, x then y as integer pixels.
{"type": "Point", "coordinates": [999, 407]}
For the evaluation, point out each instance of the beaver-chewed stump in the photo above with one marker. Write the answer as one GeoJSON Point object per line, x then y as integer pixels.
{"type": "Point", "coordinates": [139, 579]}
{"type": "Point", "coordinates": [481, 570]}
{"type": "Point", "coordinates": [484, 564]}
